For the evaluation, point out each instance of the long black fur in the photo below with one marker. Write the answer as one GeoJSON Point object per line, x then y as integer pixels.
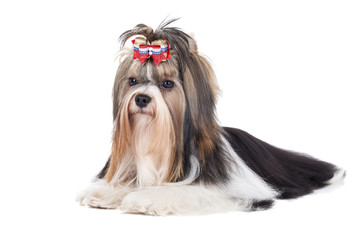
{"type": "Point", "coordinates": [292, 173]}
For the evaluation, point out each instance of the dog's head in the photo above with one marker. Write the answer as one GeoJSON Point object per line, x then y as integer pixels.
{"type": "Point", "coordinates": [165, 129]}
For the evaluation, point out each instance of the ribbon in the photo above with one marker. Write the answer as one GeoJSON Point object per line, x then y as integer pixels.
{"type": "Point", "coordinates": [158, 50]}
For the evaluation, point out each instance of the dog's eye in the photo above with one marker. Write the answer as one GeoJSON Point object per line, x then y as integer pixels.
{"type": "Point", "coordinates": [168, 84]}
{"type": "Point", "coordinates": [132, 81]}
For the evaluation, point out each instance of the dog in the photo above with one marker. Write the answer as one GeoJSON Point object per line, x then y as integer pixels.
{"type": "Point", "coordinates": [170, 155]}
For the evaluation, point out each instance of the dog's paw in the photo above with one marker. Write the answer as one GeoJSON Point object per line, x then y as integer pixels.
{"type": "Point", "coordinates": [97, 200]}
{"type": "Point", "coordinates": [149, 202]}
{"type": "Point", "coordinates": [139, 202]}
{"type": "Point", "coordinates": [101, 195]}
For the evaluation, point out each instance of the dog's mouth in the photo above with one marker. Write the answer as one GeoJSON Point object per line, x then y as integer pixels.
{"type": "Point", "coordinates": [141, 111]}
{"type": "Point", "coordinates": [145, 112]}
{"type": "Point", "coordinates": [141, 117]}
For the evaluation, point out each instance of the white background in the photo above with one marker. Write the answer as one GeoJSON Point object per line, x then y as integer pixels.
{"type": "Point", "coordinates": [288, 71]}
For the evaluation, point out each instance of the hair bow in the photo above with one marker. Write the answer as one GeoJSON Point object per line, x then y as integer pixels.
{"type": "Point", "coordinates": [158, 50]}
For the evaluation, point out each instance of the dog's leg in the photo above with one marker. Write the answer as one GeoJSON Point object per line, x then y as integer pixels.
{"type": "Point", "coordinates": [181, 199]}
{"type": "Point", "coordinates": [101, 194]}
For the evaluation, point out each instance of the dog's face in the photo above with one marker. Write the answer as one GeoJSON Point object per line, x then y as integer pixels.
{"type": "Point", "coordinates": [149, 102]}
{"type": "Point", "coordinates": [163, 113]}
{"type": "Point", "coordinates": [152, 90]}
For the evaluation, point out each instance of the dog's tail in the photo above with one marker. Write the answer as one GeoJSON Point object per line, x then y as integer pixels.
{"type": "Point", "coordinates": [292, 174]}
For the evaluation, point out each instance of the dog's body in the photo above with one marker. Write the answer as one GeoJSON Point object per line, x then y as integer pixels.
{"type": "Point", "coordinates": [170, 156]}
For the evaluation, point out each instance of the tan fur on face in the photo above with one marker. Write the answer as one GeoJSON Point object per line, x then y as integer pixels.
{"type": "Point", "coordinates": [146, 142]}
{"type": "Point", "coordinates": [153, 141]}
{"type": "Point", "coordinates": [175, 101]}
{"type": "Point", "coordinates": [121, 140]}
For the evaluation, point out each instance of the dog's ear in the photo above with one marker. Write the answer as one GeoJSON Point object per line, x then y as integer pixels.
{"type": "Point", "coordinates": [116, 93]}
{"type": "Point", "coordinates": [201, 91]}
{"type": "Point", "coordinates": [205, 75]}
{"type": "Point", "coordinates": [200, 84]}
{"type": "Point", "coordinates": [203, 136]}
{"type": "Point", "coordinates": [125, 61]}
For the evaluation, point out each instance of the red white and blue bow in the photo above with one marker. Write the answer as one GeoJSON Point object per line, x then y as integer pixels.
{"type": "Point", "coordinates": [158, 50]}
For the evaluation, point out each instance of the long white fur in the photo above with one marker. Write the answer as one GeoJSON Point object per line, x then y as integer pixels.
{"type": "Point", "coordinates": [339, 176]}
{"type": "Point", "coordinates": [162, 200]}
{"type": "Point", "coordinates": [244, 182]}
{"type": "Point", "coordinates": [180, 199]}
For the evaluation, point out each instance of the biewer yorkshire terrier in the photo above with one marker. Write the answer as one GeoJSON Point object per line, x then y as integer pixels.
{"type": "Point", "coordinates": [170, 155]}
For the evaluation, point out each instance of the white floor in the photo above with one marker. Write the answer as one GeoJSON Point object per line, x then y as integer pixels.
{"type": "Point", "coordinates": [329, 214]}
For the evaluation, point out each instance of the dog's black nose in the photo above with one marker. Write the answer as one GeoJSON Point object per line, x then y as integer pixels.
{"type": "Point", "coordinates": [142, 100]}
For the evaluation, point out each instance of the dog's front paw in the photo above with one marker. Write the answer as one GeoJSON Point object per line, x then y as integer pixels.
{"type": "Point", "coordinates": [149, 202]}
{"type": "Point", "coordinates": [100, 194]}
{"type": "Point", "coordinates": [97, 200]}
